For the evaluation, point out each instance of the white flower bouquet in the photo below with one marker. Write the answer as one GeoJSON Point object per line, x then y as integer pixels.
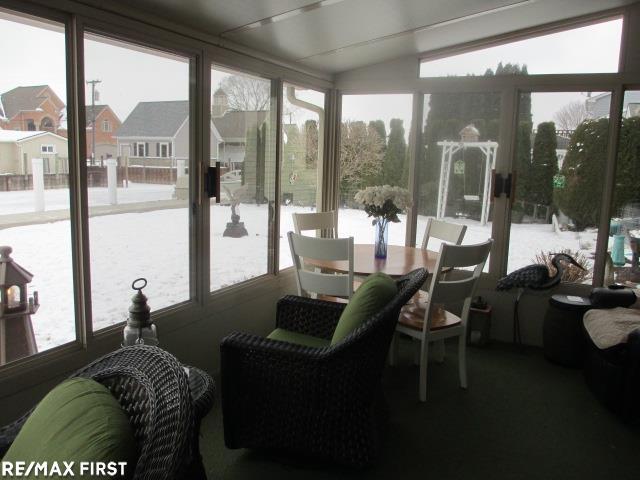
{"type": "Point", "coordinates": [384, 202]}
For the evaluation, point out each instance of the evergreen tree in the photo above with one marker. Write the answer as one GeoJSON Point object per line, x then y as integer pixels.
{"type": "Point", "coordinates": [583, 169]}
{"type": "Point", "coordinates": [311, 143]}
{"type": "Point", "coordinates": [379, 127]}
{"type": "Point", "coordinates": [544, 164]}
{"type": "Point", "coordinates": [628, 167]}
{"type": "Point", "coordinates": [395, 155]}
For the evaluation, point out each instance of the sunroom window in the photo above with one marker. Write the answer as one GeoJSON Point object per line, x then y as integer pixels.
{"type": "Point", "coordinates": [146, 230]}
{"type": "Point", "coordinates": [243, 130]}
{"type": "Point", "coordinates": [589, 49]}
{"type": "Point", "coordinates": [373, 152]}
{"type": "Point", "coordinates": [34, 222]}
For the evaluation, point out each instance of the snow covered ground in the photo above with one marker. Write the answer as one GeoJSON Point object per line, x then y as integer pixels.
{"type": "Point", "coordinates": [155, 245]}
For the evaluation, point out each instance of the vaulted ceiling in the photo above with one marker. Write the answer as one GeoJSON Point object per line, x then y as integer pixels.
{"type": "Point", "coordinates": [337, 35]}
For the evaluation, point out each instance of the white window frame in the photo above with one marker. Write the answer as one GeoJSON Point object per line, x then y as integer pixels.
{"type": "Point", "coordinates": [137, 149]}
{"type": "Point", "coordinates": [106, 126]}
{"type": "Point", "coordinates": [48, 149]}
{"type": "Point", "coordinates": [164, 145]}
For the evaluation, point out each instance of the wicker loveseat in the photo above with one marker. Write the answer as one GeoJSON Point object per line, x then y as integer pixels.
{"type": "Point", "coordinates": [612, 360]}
{"type": "Point", "coordinates": [152, 388]}
{"type": "Point", "coordinates": [314, 402]}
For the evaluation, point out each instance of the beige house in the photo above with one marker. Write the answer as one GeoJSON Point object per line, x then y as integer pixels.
{"type": "Point", "coordinates": [17, 148]}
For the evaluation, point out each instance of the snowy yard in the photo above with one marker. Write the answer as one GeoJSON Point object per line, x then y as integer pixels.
{"type": "Point", "coordinates": [155, 245]}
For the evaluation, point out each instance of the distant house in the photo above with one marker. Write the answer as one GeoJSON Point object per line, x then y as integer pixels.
{"type": "Point", "coordinates": [157, 134]}
{"type": "Point", "coordinates": [107, 123]}
{"type": "Point", "coordinates": [18, 148]}
{"type": "Point", "coordinates": [598, 105]}
{"type": "Point", "coordinates": [32, 108]}
{"type": "Point", "coordinates": [232, 126]}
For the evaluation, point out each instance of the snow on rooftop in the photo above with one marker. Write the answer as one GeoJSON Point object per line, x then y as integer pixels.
{"type": "Point", "coordinates": [15, 135]}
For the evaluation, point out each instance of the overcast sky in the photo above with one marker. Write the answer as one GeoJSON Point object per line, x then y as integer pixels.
{"type": "Point", "coordinates": [32, 56]}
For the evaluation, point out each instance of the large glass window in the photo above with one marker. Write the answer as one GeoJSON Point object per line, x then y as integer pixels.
{"type": "Point", "coordinates": [460, 146]}
{"type": "Point", "coordinates": [243, 141]}
{"type": "Point", "coordinates": [624, 230]}
{"type": "Point", "coordinates": [303, 124]}
{"type": "Point", "coordinates": [139, 222]}
{"type": "Point", "coordinates": [373, 151]}
{"type": "Point", "coordinates": [560, 163]}
{"type": "Point", "coordinates": [590, 49]}
{"type": "Point", "coordinates": [34, 189]}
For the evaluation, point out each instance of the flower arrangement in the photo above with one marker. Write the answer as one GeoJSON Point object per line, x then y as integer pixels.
{"type": "Point", "coordinates": [384, 202]}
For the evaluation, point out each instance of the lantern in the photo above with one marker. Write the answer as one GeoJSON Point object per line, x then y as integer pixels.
{"type": "Point", "coordinates": [139, 329]}
{"type": "Point", "coordinates": [16, 308]}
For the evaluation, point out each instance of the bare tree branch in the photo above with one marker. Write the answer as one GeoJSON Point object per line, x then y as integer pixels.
{"type": "Point", "coordinates": [247, 93]}
{"type": "Point", "coordinates": [571, 115]}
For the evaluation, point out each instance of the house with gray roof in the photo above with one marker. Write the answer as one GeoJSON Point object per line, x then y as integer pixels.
{"type": "Point", "coordinates": [598, 105]}
{"type": "Point", "coordinates": [157, 134]}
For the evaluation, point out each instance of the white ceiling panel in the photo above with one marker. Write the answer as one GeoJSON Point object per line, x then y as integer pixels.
{"type": "Point", "coordinates": [211, 16]}
{"type": "Point", "coordinates": [449, 34]}
{"type": "Point", "coordinates": [338, 35]}
{"type": "Point", "coordinates": [355, 21]}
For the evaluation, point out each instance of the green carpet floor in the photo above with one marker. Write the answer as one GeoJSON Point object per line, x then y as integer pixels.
{"type": "Point", "coordinates": [521, 418]}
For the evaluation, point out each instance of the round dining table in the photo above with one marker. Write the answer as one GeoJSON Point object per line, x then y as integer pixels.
{"type": "Point", "coordinates": [400, 261]}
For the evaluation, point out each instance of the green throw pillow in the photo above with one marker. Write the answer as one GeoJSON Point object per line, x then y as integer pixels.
{"type": "Point", "coordinates": [78, 421]}
{"type": "Point", "coordinates": [372, 296]}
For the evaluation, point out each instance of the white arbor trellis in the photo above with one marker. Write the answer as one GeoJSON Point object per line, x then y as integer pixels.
{"type": "Point", "coordinates": [449, 148]}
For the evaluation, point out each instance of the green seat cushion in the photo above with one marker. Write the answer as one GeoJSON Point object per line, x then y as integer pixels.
{"type": "Point", "coordinates": [372, 296]}
{"type": "Point", "coordinates": [298, 338]}
{"type": "Point", "coordinates": [78, 421]}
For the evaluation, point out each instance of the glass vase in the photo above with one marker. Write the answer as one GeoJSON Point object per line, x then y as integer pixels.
{"type": "Point", "coordinates": [382, 238]}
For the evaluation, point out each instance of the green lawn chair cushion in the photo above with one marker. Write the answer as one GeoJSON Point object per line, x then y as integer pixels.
{"type": "Point", "coordinates": [374, 293]}
{"type": "Point", "coordinates": [78, 421]}
{"type": "Point", "coordinates": [298, 338]}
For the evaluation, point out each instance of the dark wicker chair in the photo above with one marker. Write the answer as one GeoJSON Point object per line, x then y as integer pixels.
{"type": "Point", "coordinates": [314, 402]}
{"type": "Point", "coordinates": [152, 387]}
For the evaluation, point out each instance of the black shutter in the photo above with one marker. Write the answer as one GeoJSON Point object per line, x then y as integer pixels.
{"type": "Point", "coordinates": [157, 149]}
{"type": "Point", "coordinates": [146, 149]}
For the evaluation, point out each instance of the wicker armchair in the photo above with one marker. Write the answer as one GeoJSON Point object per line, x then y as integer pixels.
{"type": "Point", "coordinates": [152, 387]}
{"type": "Point", "coordinates": [315, 402]}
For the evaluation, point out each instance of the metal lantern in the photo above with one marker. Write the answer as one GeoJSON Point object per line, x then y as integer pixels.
{"type": "Point", "coordinates": [139, 329]}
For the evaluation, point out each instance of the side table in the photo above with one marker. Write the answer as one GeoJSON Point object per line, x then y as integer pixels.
{"type": "Point", "coordinates": [562, 331]}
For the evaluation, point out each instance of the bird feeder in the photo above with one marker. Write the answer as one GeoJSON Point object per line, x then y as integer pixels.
{"type": "Point", "coordinates": [139, 329]}
{"type": "Point", "coordinates": [16, 307]}
{"type": "Point", "coordinates": [469, 134]}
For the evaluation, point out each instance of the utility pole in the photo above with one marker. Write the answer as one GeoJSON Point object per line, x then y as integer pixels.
{"type": "Point", "coordinates": [93, 119]}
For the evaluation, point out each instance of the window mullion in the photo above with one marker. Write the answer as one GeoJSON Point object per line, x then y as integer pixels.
{"type": "Point", "coordinates": [615, 116]}
{"type": "Point", "coordinates": [79, 215]}
{"type": "Point", "coordinates": [415, 151]}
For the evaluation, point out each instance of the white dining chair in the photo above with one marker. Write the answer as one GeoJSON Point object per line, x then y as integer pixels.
{"type": "Point", "coordinates": [310, 280]}
{"type": "Point", "coordinates": [444, 231]}
{"type": "Point", "coordinates": [435, 323]}
{"type": "Point", "coordinates": [316, 221]}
